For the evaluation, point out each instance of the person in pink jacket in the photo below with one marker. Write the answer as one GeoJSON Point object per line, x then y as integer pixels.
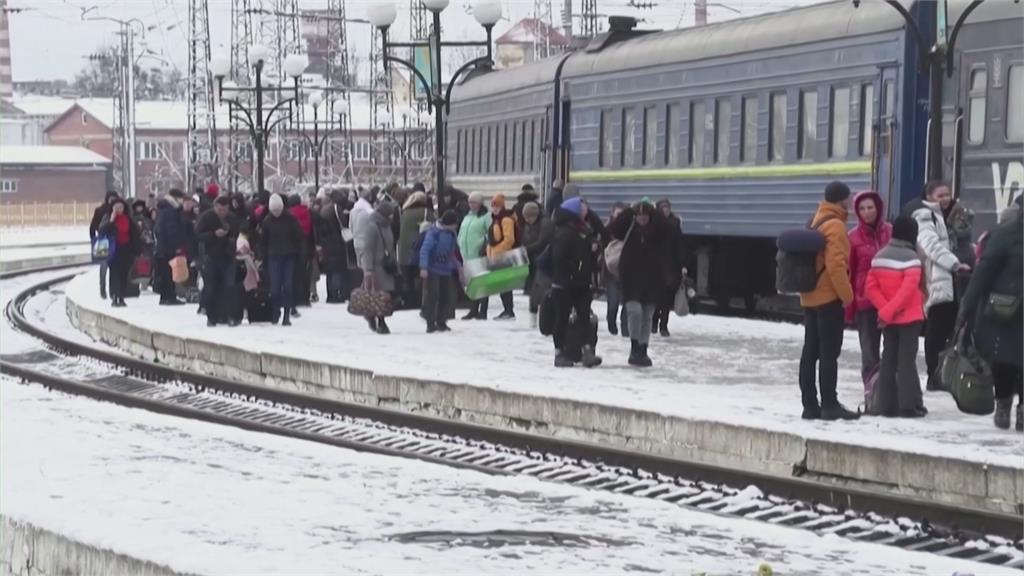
{"type": "Point", "coordinates": [871, 234]}
{"type": "Point", "coordinates": [894, 288]}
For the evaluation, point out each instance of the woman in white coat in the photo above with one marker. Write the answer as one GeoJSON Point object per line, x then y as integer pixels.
{"type": "Point", "coordinates": [940, 264]}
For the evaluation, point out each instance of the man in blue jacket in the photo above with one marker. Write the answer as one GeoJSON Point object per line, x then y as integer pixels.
{"type": "Point", "coordinates": [439, 266]}
{"type": "Point", "coordinates": [170, 238]}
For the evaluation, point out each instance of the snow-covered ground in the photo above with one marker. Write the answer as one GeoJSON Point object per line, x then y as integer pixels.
{"type": "Point", "coordinates": [32, 253]}
{"type": "Point", "coordinates": [217, 500]}
{"type": "Point", "coordinates": [10, 237]}
{"type": "Point", "coordinates": [736, 371]}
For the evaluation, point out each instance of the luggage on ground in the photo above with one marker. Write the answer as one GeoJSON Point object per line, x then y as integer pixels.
{"type": "Point", "coordinates": [142, 269]}
{"type": "Point", "coordinates": [874, 400]}
{"type": "Point", "coordinates": [370, 303]}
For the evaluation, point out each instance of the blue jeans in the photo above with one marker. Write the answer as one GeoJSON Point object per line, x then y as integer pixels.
{"type": "Point", "coordinates": [613, 296]}
{"type": "Point", "coordinates": [336, 286]}
{"type": "Point", "coordinates": [218, 280]}
{"type": "Point", "coordinates": [282, 283]}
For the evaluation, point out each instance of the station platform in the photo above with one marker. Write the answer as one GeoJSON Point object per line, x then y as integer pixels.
{"type": "Point", "coordinates": [722, 391]}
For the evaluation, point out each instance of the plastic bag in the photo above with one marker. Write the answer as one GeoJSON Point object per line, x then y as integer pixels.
{"type": "Point", "coordinates": [681, 304]}
{"type": "Point", "coordinates": [102, 249]}
{"type": "Point", "coordinates": [179, 269]}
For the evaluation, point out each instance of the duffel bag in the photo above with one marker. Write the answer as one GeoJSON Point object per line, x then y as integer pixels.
{"type": "Point", "coordinates": [370, 303]}
{"type": "Point", "coordinates": [966, 375]}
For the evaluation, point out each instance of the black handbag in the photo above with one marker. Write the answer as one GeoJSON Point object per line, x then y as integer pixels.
{"type": "Point", "coordinates": [1002, 307]}
{"type": "Point", "coordinates": [966, 375]}
{"type": "Point", "coordinates": [390, 263]}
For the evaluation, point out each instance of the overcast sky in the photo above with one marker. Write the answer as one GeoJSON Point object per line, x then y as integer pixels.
{"type": "Point", "coordinates": [50, 40]}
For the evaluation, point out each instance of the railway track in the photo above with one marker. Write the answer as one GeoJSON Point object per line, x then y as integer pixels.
{"type": "Point", "coordinates": [822, 508]}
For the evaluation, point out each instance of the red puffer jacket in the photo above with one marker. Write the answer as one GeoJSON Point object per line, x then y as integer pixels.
{"type": "Point", "coordinates": [865, 241]}
{"type": "Point", "coordinates": [894, 284]}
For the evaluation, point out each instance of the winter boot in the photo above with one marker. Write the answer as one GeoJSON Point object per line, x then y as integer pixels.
{"type": "Point", "coordinates": [634, 353]}
{"type": "Point", "coordinates": [382, 326]}
{"type": "Point", "coordinates": [645, 360]}
{"type": "Point", "coordinates": [1020, 418]}
{"type": "Point", "coordinates": [103, 293]}
{"type": "Point", "coordinates": [506, 315]}
{"type": "Point", "coordinates": [811, 413]}
{"type": "Point", "coordinates": [372, 321]}
{"type": "Point", "coordinates": [471, 315]}
{"type": "Point", "coordinates": [664, 331]}
{"type": "Point", "coordinates": [287, 321]}
{"type": "Point", "coordinates": [563, 361]}
{"type": "Point", "coordinates": [612, 328]}
{"type": "Point", "coordinates": [295, 313]}
{"type": "Point", "coordinates": [443, 327]}
{"type": "Point", "coordinates": [838, 412]}
{"type": "Point", "coordinates": [431, 327]}
{"type": "Point", "coordinates": [1001, 417]}
{"type": "Point", "coordinates": [590, 359]}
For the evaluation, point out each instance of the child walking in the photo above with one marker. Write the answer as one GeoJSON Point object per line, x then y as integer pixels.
{"type": "Point", "coordinates": [894, 289]}
{"type": "Point", "coordinates": [439, 267]}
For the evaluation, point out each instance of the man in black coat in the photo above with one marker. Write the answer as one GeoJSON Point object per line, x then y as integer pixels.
{"type": "Point", "coordinates": [674, 262]}
{"type": "Point", "coordinates": [98, 214]}
{"type": "Point", "coordinates": [573, 261]}
{"type": "Point", "coordinates": [217, 230]}
{"type": "Point", "coordinates": [527, 195]}
{"type": "Point", "coordinates": [170, 241]}
{"type": "Point", "coordinates": [453, 199]}
{"type": "Point", "coordinates": [282, 243]}
{"type": "Point", "coordinates": [332, 247]}
{"type": "Point", "coordinates": [554, 198]}
{"type": "Point", "coordinates": [992, 307]}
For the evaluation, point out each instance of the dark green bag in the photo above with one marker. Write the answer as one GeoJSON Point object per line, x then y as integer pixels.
{"type": "Point", "coordinates": [1002, 306]}
{"type": "Point", "coordinates": [966, 375]}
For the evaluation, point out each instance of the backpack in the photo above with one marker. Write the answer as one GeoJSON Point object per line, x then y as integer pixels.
{"type": "Point", "coordinates": [796, 269]}
{"type": "Point", "coordinates": [874, 402]}
{"type": "Point", "coordinates": [613, 251]}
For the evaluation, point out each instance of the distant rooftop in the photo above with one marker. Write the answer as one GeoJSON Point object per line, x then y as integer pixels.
{"type": "Point", "coordinates": [49, 155]}
{"type": "Point", "coordinates": [530, 30]}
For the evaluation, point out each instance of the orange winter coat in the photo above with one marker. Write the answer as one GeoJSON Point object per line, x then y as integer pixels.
{"type": "Point", "coordinates": [894, 284]}
{"type": "Point", "coordinates": [501, 236]}
{"type": "Point", "coordinates": [833, 261]}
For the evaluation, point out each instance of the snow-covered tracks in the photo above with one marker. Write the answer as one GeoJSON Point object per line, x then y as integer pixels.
{"type": "Point", "coordinates": [826, 509]}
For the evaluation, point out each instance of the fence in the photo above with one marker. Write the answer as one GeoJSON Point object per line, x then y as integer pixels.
{"type": "Point", "coordinates": [37, 214]}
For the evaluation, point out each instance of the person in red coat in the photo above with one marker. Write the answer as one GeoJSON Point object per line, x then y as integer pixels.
{"type": "Point", "coordinates": [894, 288]}
{"type": "Point", "coordinates": [870, 235]}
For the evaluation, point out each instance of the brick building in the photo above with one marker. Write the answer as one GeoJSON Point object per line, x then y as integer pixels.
{"type": "Point", "coordinates": [52, 174]}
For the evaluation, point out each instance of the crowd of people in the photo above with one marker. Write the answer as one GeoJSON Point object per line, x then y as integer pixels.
{"type": "Point", "coordinates": [395, 248]}
{"type": "Point", "coordinates": [893, 280]}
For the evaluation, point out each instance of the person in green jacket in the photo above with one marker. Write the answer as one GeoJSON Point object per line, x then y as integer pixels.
{"type": "Point", "coordinates": [473, 242]}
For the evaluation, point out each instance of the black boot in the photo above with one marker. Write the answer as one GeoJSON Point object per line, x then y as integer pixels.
{"type": "Point", "coordinates": [1001, 417]}
{"type": "Point", "coordinates": [612, 328]}
{"type": "Point", "coordinates": [431, 327]}
{"type": "Point", "coordinates": [443, 327]}
{"type": "Point", "coordinates": [590, 358]}
{"type": "Point", "coordinates": [471, 315]}
{"type": "Point", "coordinates": [372, 321]}
{"type": "Point", "coordinates": [295, 313]}
{"type": "Point", "coordinates": [838, 412]}
{"type": "Point", "coordinates": [645, 360]}
{"type": "Point", "coordinates": [382, 326]}
{"type": "Point", "coordinates": [287, 321]}
{"type": "Point", "coordinates": [1020, 418]}
{"type": "Point", "coordinates": [634, 353]}
{"type": "Point", "coordinates": [563, 361]}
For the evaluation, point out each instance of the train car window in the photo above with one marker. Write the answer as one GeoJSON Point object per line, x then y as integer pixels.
{"type": "Point", "coordinates": [840, 110]}
{"type": "Point", "coordinates": [867, 118]}
{"type": "Point", "coordinates": [1015, 104]}
{"type": "Point", "coordinates": [978, 103]}
{"type": "Point", "coordinates": [672, 135]}
{"type": "Point", "coordinates": [889, 99]}
{"type": "Point", "coordinates": [628, 137]}
{"type": "Point", "coordinates": [748, 136]}
{"type": "Point", "coordinates": [777, 128]}
{"type": "Point", "coordinates": [723, 112]}
{"type": "Point", "coordinates": [697, 120]}
{"type": "Point", "coordinates": [605, 136]}
{"type": "Point", "coordinates": [807, 132]}
{"type": "Point", "coordinates": [650, 135]}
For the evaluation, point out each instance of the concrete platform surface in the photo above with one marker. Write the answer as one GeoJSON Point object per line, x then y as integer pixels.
{"type": "Point", "coordinates": [721, 391]}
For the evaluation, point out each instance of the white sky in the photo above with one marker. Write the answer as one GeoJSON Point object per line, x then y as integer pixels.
{"type": "Point", "coordinates": [49, 40]}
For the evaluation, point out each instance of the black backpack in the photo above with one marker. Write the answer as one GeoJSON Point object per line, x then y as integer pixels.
{"type": "Point", "coordinates": [796, 263]}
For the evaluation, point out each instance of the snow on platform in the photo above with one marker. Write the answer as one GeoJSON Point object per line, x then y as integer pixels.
{"type": "Point", "coordinates": [712, 372]}
{"type": "Point", "coordinates": [213, 500]}
{"type": "Point", "coordinates": [11, 237]}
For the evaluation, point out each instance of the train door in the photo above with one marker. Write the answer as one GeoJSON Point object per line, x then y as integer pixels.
{"type": "Point", "coordinates": [547, 151]}
{"type": "Point", "coordinates": [564, 142]}
{"type": "Point", "coordinates": [885, 139]}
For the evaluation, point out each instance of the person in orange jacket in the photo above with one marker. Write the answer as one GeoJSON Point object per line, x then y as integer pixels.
{"type": "Point", "coordinates": [894, 288]}
{"type": "Point", "coordinates": [502, 237]}
{"type": "Point", "coordinates": [824, 310]}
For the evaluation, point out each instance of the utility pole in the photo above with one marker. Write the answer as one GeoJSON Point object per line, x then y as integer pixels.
{"type": "Point", "coordinates": [129, 96]}
{"type": "Point", "coordinates": [700, 12]}
{"type": "Point", "coordinates": [201, 153]}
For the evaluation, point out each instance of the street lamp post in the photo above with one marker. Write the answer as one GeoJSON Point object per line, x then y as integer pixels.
{"type": "Point", "coordinates": [262, 125]}
{"type": "Point", "coordinates": [316, 144]}
{"type": "Point", "coordinates": [933, 58]}
{"type": "Point", "coordinates": [486, 12]}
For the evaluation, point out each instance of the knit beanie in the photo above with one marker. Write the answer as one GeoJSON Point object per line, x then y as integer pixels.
{"type": "Point", "coordinates": [276, 205]}
{"type": "Point", "coordinates": [212, 190]}
{"type": "Point", "coordinates": [419, 187]}
{"type": "Point", "coordinates": [574, 205]}
{"type": "Point", "coordinates": [450, 218]}
{"type": "Point", "coordinates": [836, 192]}
{"type": "Point", "coordinates": [476, 197]}
{"type": "Point", "coordinates": [498, 201]}
{"type": "Point", "coordinates": [386, 209]}
{"type": "Point", "coordinates": [905, 228]}
{"type": "Point", "coordinates": [531, 210]}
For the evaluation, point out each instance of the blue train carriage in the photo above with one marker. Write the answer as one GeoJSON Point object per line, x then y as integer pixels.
{"type": "Point", "coordinates": [499, 129]}
{"type": "Point", "coordinates": [741, 124]}
{"type": "Point", "coordinates": [984, 109]}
